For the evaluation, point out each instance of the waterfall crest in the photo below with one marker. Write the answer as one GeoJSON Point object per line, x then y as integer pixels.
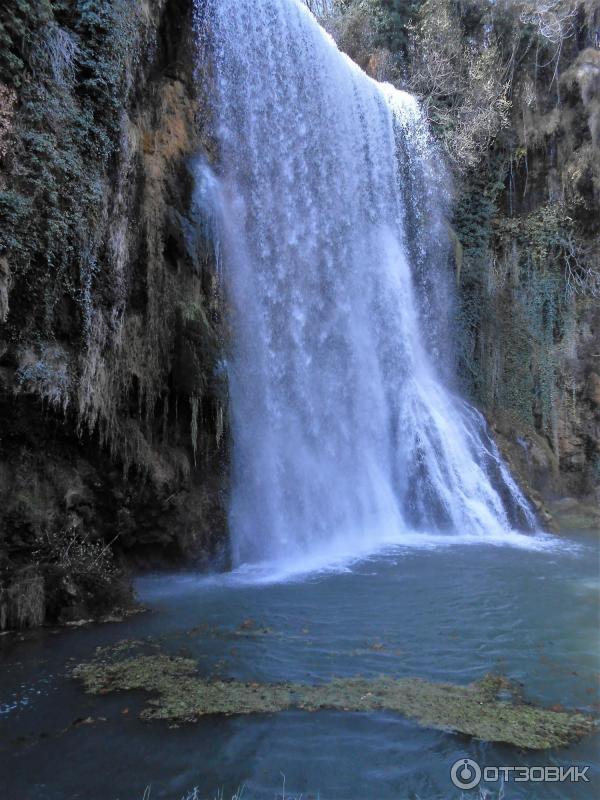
{"type": "Point", "coordinates": [345, 432]}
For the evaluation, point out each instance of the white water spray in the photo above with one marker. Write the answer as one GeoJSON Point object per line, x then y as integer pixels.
{"type": "Point", "coordinates": [344, 433]}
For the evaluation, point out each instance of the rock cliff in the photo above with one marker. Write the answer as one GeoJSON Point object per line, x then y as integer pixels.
{"type": "Point", "coordinates": [112, 440]}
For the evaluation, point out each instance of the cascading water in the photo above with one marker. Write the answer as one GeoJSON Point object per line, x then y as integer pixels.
{"type": "Point", "coordinates": [344, 433]}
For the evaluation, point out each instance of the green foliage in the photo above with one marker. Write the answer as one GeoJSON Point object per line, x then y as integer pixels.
{"type": "Point", "coordinates": [72, 62]}
{"type": "Point", "coordinates": [542, 240]}
{"type": "Point", "coordinates": [14, 208]}
{"type": "Point", "coordinates": [392, 21]}
{"type": "Point", "coordinates": [477, 206]}
{"type": "Point", "coordinates": [546, 234]}
{"type": "Point", "coordinates": [514, 308]}
{"type": "Point", "coordinates": [20, 23]}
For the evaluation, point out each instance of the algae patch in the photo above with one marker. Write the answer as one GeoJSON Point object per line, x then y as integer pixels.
{"type": "Point", "coordinates": [179, 693]}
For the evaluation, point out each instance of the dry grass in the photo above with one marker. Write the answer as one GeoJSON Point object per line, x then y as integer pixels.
{"type": "Point", "coordinates": [22, 602]}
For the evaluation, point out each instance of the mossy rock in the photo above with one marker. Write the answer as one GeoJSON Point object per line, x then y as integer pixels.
{"type": "Point", "coordinates": [574, 515]}
{"type": "Point", "coordinates": [179, 693]}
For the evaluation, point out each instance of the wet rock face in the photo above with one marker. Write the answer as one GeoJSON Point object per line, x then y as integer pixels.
{"type": "Point", "coordinates": [579, 419]}
{"type": "Point", "coordinates": [538, 343]}
{"type": "Point", "coordinates": [112, 445]}
{"type": "Point", "coordinates": [592, 388]}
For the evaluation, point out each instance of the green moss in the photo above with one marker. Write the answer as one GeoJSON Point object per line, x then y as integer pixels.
{"type": "Point", "coordinates": [19, 26]}
{"type": "Point", "coordinates": [179, 693]}
{"type": "Point", "coordinates": [72, 65]}
{"type": "Point", "coordinates": [391, 20]}
{"type": "Point", "coordinates": [477, 206]}
{"type": "Point", "coordinates": [514, 301]}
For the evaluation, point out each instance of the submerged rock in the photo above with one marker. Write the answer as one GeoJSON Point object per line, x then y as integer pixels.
{"type": "Point", "coordinates": [572, 514]}
{"type": "Point", "coordinates": [179, 693]}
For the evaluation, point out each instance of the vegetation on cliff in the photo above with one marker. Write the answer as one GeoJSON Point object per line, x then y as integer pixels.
{"type": "Point", "coordinates": [111, 396]}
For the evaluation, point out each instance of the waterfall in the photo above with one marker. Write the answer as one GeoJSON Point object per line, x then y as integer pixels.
{"type": "Point", "coordinates": [345, 433]}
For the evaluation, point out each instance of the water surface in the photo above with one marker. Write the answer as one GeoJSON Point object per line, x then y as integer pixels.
{"type": "Point", "coordinates": [443, 613]}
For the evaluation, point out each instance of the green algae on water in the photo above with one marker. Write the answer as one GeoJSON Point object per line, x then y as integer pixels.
{"type": "Point", "coordinates": [179, 693]}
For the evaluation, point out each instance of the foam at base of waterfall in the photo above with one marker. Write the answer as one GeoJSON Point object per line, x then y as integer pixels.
{"type": "Point", "coordinates": [332, 561]}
